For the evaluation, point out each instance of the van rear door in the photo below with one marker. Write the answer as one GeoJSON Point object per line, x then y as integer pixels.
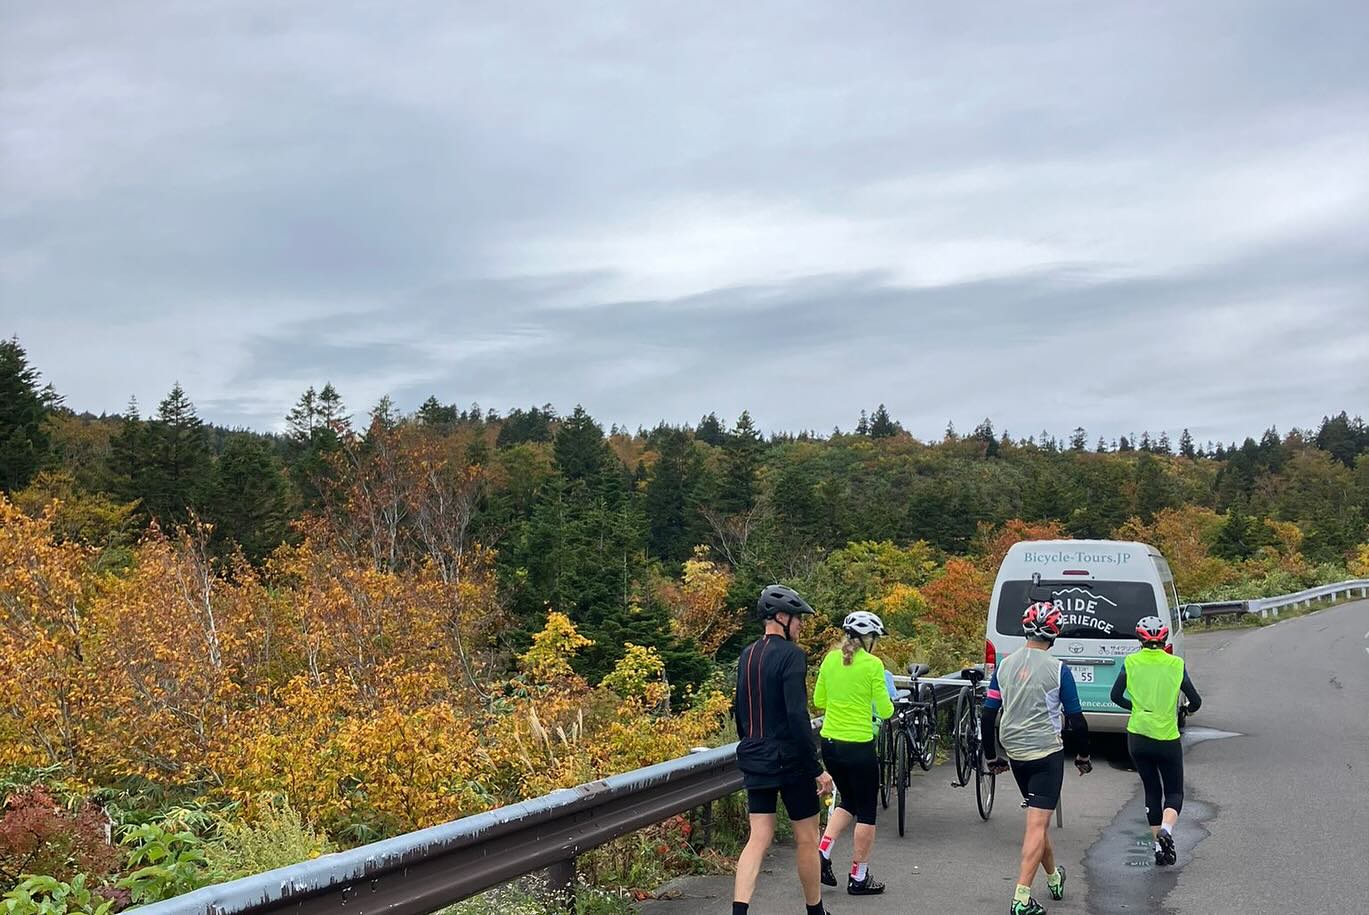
{"type": "Point", "coordinates": [1098, 628]}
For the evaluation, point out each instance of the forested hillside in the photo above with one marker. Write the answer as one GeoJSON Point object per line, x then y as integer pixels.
{"type": "Point", "coordinates": [375, 621]}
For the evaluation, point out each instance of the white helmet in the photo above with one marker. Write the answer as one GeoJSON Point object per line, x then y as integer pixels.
{"type": "Point", "coordinates": [863, 622]}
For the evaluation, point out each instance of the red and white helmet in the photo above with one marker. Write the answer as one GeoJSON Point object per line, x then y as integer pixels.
{"type": "Point", "coordinates": [1042, 621]}
{"type": "Point", "coordinates": [1152, 629]}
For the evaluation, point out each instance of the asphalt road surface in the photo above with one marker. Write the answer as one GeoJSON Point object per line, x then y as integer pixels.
{"type": "Point", "coordinates": [1276, 817]}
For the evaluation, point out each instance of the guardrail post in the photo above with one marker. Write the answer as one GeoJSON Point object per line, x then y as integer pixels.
{"type": "Point", "coordinates": [561, 883]}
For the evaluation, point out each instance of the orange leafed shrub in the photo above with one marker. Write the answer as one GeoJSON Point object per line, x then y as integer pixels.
{"type": "Point", "coordinates": [959, 598]}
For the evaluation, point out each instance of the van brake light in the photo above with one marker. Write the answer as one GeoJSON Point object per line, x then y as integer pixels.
{"type": "Point", "coordinates": [990, 656]}
{"type": "Point", "coordinates": [1169, 649]}
{"type": "Point", "coordinates": [1076, 572]}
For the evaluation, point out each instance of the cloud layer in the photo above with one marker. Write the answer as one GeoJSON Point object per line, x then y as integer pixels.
{"type": "Point", "coordinates": [1055, 214]}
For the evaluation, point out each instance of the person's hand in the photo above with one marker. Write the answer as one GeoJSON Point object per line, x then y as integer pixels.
{"type": "Point", "coordinates": [997, 766]}
{"type": "Point", "coordinates": [1083, 764]}
{"type": "Point", "coordinates": [825, 783]}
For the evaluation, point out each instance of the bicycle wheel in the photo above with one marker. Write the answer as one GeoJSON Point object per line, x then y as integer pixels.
{"type": "Point", "coordinates": [927, 758]}
{"type": "Point", "coordinates": [962, 735]}
{"type": "Point", "coordinates": [985, 782]}
{"type": "Point", "coordinates": [903, 755]}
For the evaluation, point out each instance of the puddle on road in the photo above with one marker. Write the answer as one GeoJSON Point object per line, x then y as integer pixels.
{"type": "Point", "coordinates": [1123, 878]}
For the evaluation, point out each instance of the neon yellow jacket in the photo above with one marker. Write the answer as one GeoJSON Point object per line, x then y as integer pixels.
{"type": "Point", "coordinates": [847, 693]}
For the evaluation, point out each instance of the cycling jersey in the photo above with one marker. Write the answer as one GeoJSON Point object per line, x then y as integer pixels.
{"type": "Point", "coordinates": [771, 711]}
{"type": "Point", "coordinates": [1036, 693]}
{"type": "Point", "coordinates": [847, 692]}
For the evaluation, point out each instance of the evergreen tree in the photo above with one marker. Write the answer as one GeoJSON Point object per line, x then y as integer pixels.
{"type": "Point", "coordinates": [863, 424]}
{"type": "Point", "coordinates": [436, 415]}
{"type": "Point", "coordinates": [580, 450]}
{"type": "Point", "coordinates": [331, 410]}
{"type": "Point", "coordinates": [674, 522]}
{"type": "Point", "coordinates": [1124, 445]}
{"type": "Point", "coordinates": [710, 431]}
{"type": "Point", "coordinates": [1163, 446]}
{"type": "Point", "coordinates": [1079, 439]}
{"type": "Point", "coordinates": [165, 461]}
{"type": "Point", "coordinates": [1342, 438]}
{"type": "Point", "coordinates": [882, 425]}
{"type": "Point", "coordinates": [247, 499]}
{"type": "Point", "coordinates": [1154, 492]}
{"type": "Point", "coordinates": [1186, 445]}
{"type": "Point", "coordinates": [1102, 446]}
{"type": "Point", "coordinates": [24, 443]}
{"type": "Point", "coordinates": [983, 433]}
{"type": "Point", "coordinates": [304, 417]}
{"type": "Point", "coordinates": [1236, 538]}
{"type": "Point", "coordinates": [950, 435]}
{"type": "Point", "coordinates": [1146, 445]}
{"type": "Point", "coordinates": [741, 462]}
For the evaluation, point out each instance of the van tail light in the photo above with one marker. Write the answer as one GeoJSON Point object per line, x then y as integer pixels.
{"type": "Point", "coordinates": [1169, 649]}
{"type": "Point", "coordinates": [990, 657]}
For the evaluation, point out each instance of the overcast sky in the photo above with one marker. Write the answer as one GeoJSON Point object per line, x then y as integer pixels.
{"type": "Point", "coordinates": [1124, 216]}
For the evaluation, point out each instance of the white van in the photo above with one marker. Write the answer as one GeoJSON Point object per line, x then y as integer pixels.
{"type": "Point", "coordinates": [1102, 588]}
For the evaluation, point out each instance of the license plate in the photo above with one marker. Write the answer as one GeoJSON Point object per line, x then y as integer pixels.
{"type": "Point", "coordinates": [1082, 674]}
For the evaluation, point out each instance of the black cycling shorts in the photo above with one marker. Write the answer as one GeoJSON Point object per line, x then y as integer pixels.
{"type": "Point", "coordinates": [800, 799]}
{"type": "Point", "coordinates": [854, 768]}
{"type": "Point", "coordinates": [1040, 780]}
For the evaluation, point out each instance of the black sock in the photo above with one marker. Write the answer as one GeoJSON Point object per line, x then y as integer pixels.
{"type": "Point", "coordinates": [817, 909]}
{"type": "Point", "coordinates": [739, 908]}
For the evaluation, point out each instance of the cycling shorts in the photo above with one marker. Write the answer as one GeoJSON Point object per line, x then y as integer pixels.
{"type": "Point", "coordinates": [1040, 780]}
{"type": "Point", "coordinates": [800, 799]}
{"type": "Point", "coordinates": [854, 768]}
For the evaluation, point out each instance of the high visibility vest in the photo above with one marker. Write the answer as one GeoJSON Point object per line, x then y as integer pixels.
{"type": "Point", "coordinates": [1153, 680]}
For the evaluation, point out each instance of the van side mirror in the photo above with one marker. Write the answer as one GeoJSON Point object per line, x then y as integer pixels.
{"type": "Point", "coordinates": [1193, 611]}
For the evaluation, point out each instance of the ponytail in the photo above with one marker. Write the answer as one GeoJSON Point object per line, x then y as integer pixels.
{"type": "Point", "coordinates": [850, 644]}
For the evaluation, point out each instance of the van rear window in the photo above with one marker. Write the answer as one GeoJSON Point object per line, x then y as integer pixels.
{"type": "Point", "coordinates": [1091, 609]}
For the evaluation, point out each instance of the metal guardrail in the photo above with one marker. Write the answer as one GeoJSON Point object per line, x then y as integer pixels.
{"type": "Point", "coordinates": [423, 871]}
{"type": "Point", "coordinates": [1264, 606]}
{"type": "Point", "coordinates": [1267, 606]}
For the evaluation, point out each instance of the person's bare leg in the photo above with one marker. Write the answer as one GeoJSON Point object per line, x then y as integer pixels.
{"type": "Point", "coordinates": [837, 821]}
{"type": "Point", "coordinates": [1047, 852]}
{"type": "Point", "coordinates": [1170, 819]}
{"type": "Point", "coordinates": [806, 847]}
{"type": "Point", "coordinates": [749, 864]}
{"type": "Point", "coordinates": [865, 843]}
{"type": "Point", "coordinates": [1033, 844]}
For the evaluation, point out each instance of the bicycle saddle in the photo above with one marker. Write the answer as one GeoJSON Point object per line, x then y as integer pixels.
{"type": "Point", "coordinates": [973, 674]}
{"type": "Point", "coordinates": [918, 670]}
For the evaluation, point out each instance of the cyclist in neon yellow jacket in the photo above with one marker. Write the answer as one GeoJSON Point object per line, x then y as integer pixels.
{"type": "Point", "coordinates": [1149, 686]}
{"type": "Point", "coordinates": [850, 684]}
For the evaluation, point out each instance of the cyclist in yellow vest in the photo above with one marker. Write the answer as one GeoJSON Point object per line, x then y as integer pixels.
{"type": "Point", "coordinates": [1149, 686]}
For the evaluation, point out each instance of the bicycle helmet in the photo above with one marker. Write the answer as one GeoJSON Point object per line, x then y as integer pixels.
{"type": "Point", "coordinates": [863, 622]}
{"type": "Point", "coordinates": [779, 599]}
{"type": "Point", "coordinates": [1152, 630]}
{"type": "Point", "coordinates": [1042, 621]}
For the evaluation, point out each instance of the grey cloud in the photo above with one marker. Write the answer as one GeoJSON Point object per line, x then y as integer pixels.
{"type": "Point", "coordinates": [368, 195]}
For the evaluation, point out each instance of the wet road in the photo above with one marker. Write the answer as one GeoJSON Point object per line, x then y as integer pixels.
{"type": "Point", "coordinates": [1277, 770]}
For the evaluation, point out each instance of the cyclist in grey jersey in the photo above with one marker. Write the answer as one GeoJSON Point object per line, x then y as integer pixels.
{"type": "Point", "coordinates": [1031, 697]}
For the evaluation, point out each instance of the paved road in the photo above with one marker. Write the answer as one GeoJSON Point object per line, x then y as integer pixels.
{"type": "Point", "coordinates": [1278, 801]}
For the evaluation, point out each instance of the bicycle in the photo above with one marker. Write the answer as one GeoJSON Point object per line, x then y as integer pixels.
{"type": "Point", "coordinates": [907, 738]}
{"type": "Point", "coordinates": [967, 742]}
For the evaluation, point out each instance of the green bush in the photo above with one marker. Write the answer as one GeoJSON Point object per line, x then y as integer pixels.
{"type": "Point", "coordinates": [278, 837]}
{"type": "Point", "coordinates": [168, 863]}
{"type": "Point", "coordinates": [50, 896]}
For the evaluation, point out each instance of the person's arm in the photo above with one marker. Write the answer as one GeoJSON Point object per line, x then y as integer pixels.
{"type": "Point", "coordinates": [1119, 689]}
{"type": "Point", "coordinates": [988, 718]}
{"type": "Point", "coordinates": [1195, 701]}
{"type": "Point", "coordinates": [890, 686]}
{"type": "Point", "coordinates": [796, 710]}
{"type": "Point", "coordinates": [879, 690]}
{"type": "Point", "coordinates": [1076, 727]}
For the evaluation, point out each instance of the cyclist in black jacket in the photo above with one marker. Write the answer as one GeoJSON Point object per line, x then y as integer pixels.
{"type": "Point", "coordinates": [777, 753]}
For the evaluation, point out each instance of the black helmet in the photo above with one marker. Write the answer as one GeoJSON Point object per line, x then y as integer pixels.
{"type": "Point", "coordinates": [779, 599]}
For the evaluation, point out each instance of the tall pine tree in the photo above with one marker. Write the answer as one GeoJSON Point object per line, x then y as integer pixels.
{"type": "Point", "coordinates": [24, 442]}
